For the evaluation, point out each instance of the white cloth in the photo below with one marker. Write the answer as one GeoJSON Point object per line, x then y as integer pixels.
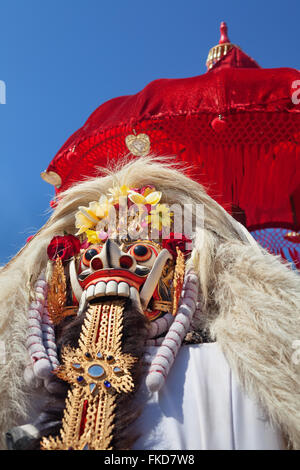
{"type": "Point", "coordinates": [201, 407]}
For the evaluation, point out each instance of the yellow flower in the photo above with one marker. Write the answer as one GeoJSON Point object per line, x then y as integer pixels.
{"type": "Point", "coordinates": [104, 206]}
{"type": "Point", "coordinates": [150, 196]}
{"type": "Point", "coordinates": [118, 191]}
{"type": "Point", "coordinates": [92, 237]}
{"type": "Point", "coordinates": [160, 217]}
{"type": "Point", "coordinates": [88, 217]}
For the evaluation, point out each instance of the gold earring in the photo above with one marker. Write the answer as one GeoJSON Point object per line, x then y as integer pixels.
{"type": "Point", "coordinates": [178, 279]}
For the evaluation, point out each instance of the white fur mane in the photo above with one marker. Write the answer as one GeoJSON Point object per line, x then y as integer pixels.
{"type": "Point", "coordinates": [251, 300]}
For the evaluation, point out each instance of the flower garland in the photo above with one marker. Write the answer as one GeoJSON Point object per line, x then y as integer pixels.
{"type": "Point", "coordinates": [94, 220]}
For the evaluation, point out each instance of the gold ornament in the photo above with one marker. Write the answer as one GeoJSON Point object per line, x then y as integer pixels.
{"type": "Point", "coordinates": [98, 371]}
{"type": "Point", "coordinates": [178, 279]}
{"type": "Point", "coordinates": [162, 305]}
{"type": "Point", "coordinates": [138, 145]}
{"type": "Point", "coordinates": [52, 178]}
{"type": "Point", "coordinates": [57, 293]}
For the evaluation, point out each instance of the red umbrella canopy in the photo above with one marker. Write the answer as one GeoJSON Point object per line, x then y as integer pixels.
{"type": "Point", "coordinates": [237, 126]}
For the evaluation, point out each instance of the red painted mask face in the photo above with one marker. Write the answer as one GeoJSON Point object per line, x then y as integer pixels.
{"type": "Point", "coordinates": [135, 271]}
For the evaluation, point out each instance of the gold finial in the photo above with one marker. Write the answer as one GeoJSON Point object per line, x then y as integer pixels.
{"type": "Point", "coordinates": [220, 49]}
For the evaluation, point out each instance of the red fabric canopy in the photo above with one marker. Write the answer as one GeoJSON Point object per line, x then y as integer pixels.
{"type": "Point", "coordinates": [250, 164]}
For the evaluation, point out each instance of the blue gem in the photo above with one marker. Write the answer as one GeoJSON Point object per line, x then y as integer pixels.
{"type": "Point", "coordinates": [109, 358]}
{"type": "Point", "coordinates": [96, 371]}
{"type": "Point", "coordinates": [87, 355]}
{"type": "Point", "coordinates": [107, 384]}
{"type": "Point", "coordinates": [76, 366]}
{"type": "Point", "coordinates": [80, 379]}
{"type": "Point", "coordinates": [117, 370]}
{"type": "Point", "coordinates": [99, 355]}
{"type": "Point", "coordinates": [92, 387]}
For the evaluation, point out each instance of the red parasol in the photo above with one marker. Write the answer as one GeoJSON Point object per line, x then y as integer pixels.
{"type": "Point", "coordinates": [236, 125]}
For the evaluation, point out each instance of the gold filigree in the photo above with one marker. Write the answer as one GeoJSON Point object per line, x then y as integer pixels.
{"type": "Point", "coordinates": [162, 305]}
{"type": "Point", "coordinates": [178, 279]}
{"type": "Point", "coordinates": [138, 145]}
{"type": "Point", "coordinates": [168, 273]}
{"type": "Point", "coordinates": [57, 293]}
{"type": "Point", "coordinates": [98, 371]}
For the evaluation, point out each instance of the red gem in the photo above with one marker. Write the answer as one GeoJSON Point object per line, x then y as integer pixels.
{"type": "Point", "coordinates": [126, 262]}
{"type": "Point", "coordinates": [96, 264]}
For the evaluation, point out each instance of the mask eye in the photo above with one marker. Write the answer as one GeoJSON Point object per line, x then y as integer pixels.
{"type": "Point", "coordinates": [141, 252]}
{"type": "Point", "coordinates": [89, 254]}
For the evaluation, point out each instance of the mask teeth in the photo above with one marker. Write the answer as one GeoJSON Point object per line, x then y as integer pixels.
{"type": "Point", "coordinates": [153, 277]}
{"type": "Point", "coordinates": [76, 287]}
{"type": "Point", "coordinates": [82, 304]}
{"type": "Point", "coordinates": [167, 352]}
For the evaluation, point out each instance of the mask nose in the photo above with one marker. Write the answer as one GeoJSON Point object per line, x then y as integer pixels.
{"type": "Point", "coordinates": [112, 257]}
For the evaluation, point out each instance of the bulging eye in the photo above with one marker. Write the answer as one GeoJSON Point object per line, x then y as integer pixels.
{"type": "Point", "coordinates": [141, 252]}
{"type": "Point", "coordinates": [89, 254]}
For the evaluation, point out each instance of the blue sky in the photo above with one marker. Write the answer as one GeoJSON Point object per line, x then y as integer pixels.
{"type": "Point", "coordinates": [60, 59]}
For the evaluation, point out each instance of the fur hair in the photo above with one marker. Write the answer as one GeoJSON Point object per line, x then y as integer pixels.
{"type": "Point", "coordinates": [251, 299]}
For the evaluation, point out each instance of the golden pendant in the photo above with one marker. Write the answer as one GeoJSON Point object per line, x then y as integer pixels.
{"type": "Point", "coordinates": [98, 371]}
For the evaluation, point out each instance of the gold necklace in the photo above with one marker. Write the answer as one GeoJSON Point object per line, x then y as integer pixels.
{"type": "Point", "coordinates": [98, 371]}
